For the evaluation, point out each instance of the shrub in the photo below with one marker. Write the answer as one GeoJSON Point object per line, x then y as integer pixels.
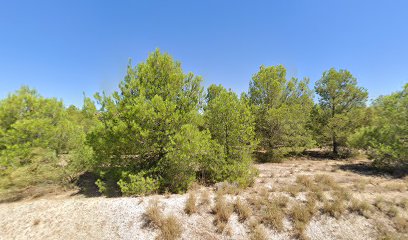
{"type": "Point", "coordinates": [137, 184]}
{"type": "Point", "coordinates": [101, 185]}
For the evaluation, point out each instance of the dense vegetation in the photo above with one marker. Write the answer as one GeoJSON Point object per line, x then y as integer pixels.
{"type": "Point", "coordinates": [161, 131]}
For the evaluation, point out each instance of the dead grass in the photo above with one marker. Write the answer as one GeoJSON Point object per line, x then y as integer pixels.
{"type": "Point", "coordinates": [242, 209]}
{"type": "Point", "coordinates": [191, 204]}
{"type": "Point", "coordinates": [273, 216]}
{"type": "Point", "coordinates": [396, 186]}
{"type": "Point", "coordinates": [305, 181]}
{"type": "Point", "coordinates": [362, 208]}
{"type": "Point", "coordinates": [334, 208]}
{"type": "Point", "coordinates": [293, 189]}
{"type": "Point", "coordinates": [222, 211]}
{"type": "Point", "coordinates": [170, 227]}
{"type": "Point", "coordinates": [205, 198]}
{"type": "Point", "coordinates": [403, 203]}
{"type": "Point", "coordinates": [153, 214]}
{"type": "Point", "coordinates": [281, 201]}
{"type": "Point", "coordinates": [227, 188]}
{"type": "Point", "coordinates": [258, 233]}
{"type": "Point", "coordinates": [327, 182]}
{"type": "Point", "coordinates": [401, 224]}
{"type": "Point", "coordinates": [386, 207]}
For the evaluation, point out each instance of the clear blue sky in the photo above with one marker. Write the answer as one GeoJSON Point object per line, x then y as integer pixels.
{"type": "Point", "coordinates": [64, 48]}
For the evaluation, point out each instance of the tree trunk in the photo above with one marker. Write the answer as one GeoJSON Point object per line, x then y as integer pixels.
{"type": "Point", "coordinates": [335, 146]}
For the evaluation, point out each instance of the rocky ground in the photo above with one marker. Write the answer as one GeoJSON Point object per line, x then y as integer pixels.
{"type": "Point", "coordinates": [327, 190]}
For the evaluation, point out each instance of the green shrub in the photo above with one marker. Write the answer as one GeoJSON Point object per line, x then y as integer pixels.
{"type": "Point", "coordinates": [137, 184]}
{"type": "Point", "coordinates": [101, 185]}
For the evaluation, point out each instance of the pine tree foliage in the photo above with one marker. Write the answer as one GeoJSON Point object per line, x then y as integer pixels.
{"type": "Point", "coordinates": [281, 108]}
{"type": "Point", "coordinates": [386, 137]}
{"type": "Point", "coordinates": [341, 107]}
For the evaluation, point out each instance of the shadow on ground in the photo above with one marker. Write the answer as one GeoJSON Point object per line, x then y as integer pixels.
{"type": "Point", "coordinates": [88, 188]}
{"type": "Point", "coordinates": [368, 169]}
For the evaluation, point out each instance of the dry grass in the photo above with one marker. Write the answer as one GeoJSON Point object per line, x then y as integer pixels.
{"type": "Point", "coordinates": [242, 209]}
{"type": "Point", "coordinates": [362, 208]}
{"type": "Point", "coordinates": [191, 204]}
{"type": "Point", "coordinates": [403, 203]}
{"type": "Point", "coordinates": [258, 233]}
{"type": "Point", "coordinates": [334, 208]}
{"type": "Point", "coordinates": [205, 198]}
{"type": "Point", "coordinates": [401, 224]}
{"type": "Point", "coordinates": [293, 189]}
{"type": "Point", "coordinates": [301, 215]}
{"type": "Point", "coordinates": [273, 216]}
{"type": "Point", "coordinates": [396, 186]}
{"type": "Point", "coordinates": [386, 207]}
{"type": "Point", "coordinates": [281, 201]}
{"type": "Point", "coordinates": [227, 188]}
{"type": "Point", "coordinates": [360, 185]}
{"type": "Point", "coordinates": [153, 214]}
{"type": "Point", "coordinates": [305, 181]}
{"type": "Point", "coordinates": [222, 211]}
{"type": "Point", "coordinates": [170, 228]}
{"type": "Point", "coordinates": [342, 194]}
{"type": "Point", "coordinates": [327, 182]}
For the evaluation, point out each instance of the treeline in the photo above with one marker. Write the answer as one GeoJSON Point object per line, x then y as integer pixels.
{"type": "Point", "coordinates": [161, 131]}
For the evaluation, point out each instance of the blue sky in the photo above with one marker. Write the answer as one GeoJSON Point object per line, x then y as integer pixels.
{"type": "Point", "coordinates": [65, 48]}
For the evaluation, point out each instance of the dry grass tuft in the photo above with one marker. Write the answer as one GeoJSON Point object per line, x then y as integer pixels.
{"type": "Point", "coordinates": [386, 207]}
{"type": "Point", "coordinates": [258, 233]}
{"type": "Point", "coordinates": [227, 188]}
{"type": "Point", "coordinates": [342, 194]}
{"type": "Point", "coordinates": [222, 211]}
{"type": "Point", "coordinates": [401, 224]}
{"type": "Point", "coordinates": [325, 181]}
{"type": "Point", "coordinates": [360, 185]}
{"type": "Point", "coordinates": [403, 203]}
{"type": "Point", "coordinates": [281, 201]}
{"type": "Point", "coordinates": [396, 186]}
{"type": "Point", "coordinates": [273, 216]}
{"type": "Point", "coordinates": [362, 208]}
{"type": "Point", "coordinates": [335, 208]}
{"type": "Point", "coordinates": [191, 204]}
{"type": "Point", "coordinates": [153, 214]}
{"type": "Point", "coordinates": [305, 181]}
{"type": "Point", "coordinates": [293, 189]}
{"type": "Point", "coordinates": [170, 227]}
{"type": "Point", "coordinates": [242, 209]}
{"type": "Point", "coordinates": [205, 198]}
